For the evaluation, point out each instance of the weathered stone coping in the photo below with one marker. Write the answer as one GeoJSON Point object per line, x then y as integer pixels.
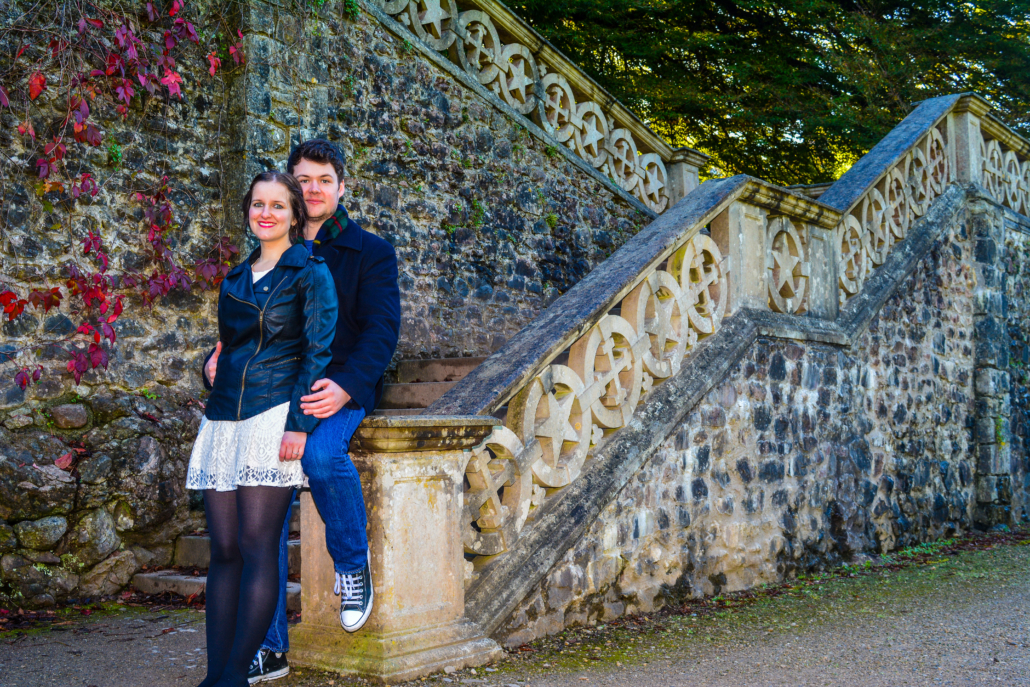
{"type": "Point", "coordinates": [865, 173]}
{"type": "Point", "coordinates": [500, 376]}
{"type": "Point", "coordinates": [563, 519]}
{"type": "Point", "coordinates": [850, 188]}
{"type": "Point", "coordinates": [1016, 221]}
{"type": "Point", "coordinates": [543, 50]}
{"type": "Point", "coordinates": [441, 62]}
{"type": "Point", "coordinates": [399, 434]}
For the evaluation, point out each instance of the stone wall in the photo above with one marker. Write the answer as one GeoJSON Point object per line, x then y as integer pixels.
{"type": "Point", "coordinates": [490, 220]}
{"type": "Point", "coordinates": [804, 456]}
{"type": "Point", "coordinates": [84, 530]}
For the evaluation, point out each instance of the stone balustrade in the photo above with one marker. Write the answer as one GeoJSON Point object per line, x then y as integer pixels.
{"type": "Point", "coordinates": [577, 375]}
{"type": "Point", "coordinates": [505, 55]}
{"type": "Point", "coordinates": [952, 139]}
{"type": "Point", "coordinates": [744, 244]}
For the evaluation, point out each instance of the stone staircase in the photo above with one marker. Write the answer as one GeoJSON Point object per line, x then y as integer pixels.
{"type": "Point", "coordinates": [419, 384]}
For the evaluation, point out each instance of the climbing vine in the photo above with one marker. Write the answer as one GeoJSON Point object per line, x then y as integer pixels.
{"type": "Point", "coordinates": [76, 70]}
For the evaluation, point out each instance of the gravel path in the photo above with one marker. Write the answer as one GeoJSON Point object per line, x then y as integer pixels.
{"type": "Point", "coordinates": [961, 620]}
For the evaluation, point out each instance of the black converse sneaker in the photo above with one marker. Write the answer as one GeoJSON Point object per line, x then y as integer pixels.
{"type": "Point", "coordinates": [356, 594]}
{"type": "Point", "coordinates": [268, 665]}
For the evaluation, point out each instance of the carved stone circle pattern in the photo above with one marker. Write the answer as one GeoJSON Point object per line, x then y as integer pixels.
{"type": "Point", "coordinates": [883, 216]}
{"type": "Point", "coordinates": [498, 489]}
{"type": "Point", "coordinates": [565, 411]}
{"type": "Point", "coordinates": [656, 306]}
{"type": "Point", "coordinates": [433, 21]}
{"type": "Point", "coordinates": [787, 267]}
{"type": "Point", "coordinates": [1004, 177]}
{"type": "Point", "coordinates": [549, 418]}
{"type": "Point", "coordinates": [533, 89]}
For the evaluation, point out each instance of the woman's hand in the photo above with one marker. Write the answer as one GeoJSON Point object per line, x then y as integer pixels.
{"type": "Point", "coordinates": [292, 446]}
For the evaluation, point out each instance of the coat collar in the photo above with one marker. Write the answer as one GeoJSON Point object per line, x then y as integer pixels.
{"type": "Point", "coordinates": [295, 256]}
{"type": "Point", "coordinates": [243, 288]}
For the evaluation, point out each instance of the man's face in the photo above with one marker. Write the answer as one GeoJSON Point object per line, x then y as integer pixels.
{"type": "Point", "coordinates": [322, 188]}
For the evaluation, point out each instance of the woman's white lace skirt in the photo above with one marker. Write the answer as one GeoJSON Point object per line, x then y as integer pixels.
{"type": "Point", "coordinates": [227, 455]}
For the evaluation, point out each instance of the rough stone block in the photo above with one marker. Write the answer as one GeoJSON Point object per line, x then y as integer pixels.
{"type": "Point", "coordinates": [41, 534]}
{"type": "Point", "coordinates": [986, 489]}
{"type": "Point", "coordinates": [992, 459]}
{"type": "Point", "coordinates": [992, 382]}
{"type": "Point", "coordinates": [110, 575]}
{"type": "Point", "coordinates": [69, 416]}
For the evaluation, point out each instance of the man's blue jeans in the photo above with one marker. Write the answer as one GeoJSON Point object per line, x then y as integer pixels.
{"type": "Point", "coordinates": [336, 491]}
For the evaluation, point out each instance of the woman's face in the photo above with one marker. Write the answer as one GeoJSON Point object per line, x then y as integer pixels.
{"type": "Point", "coordinates": [270, 213]}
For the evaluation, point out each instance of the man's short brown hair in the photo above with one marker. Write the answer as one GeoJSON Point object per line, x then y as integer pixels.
{"type": "Point", "coordinates": [321, 151]}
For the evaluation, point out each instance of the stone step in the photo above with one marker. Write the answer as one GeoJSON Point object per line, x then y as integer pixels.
{"type": "Point", "coordinates": [437, 370]}
{"type": "Point", "coordinates": [195, 552]}
{"type": "Point", "coordinates": [416, 395]}
{"type": "Point", "coordinates": [187, 585]}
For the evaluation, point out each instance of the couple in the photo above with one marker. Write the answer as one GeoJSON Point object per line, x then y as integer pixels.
{"type": "Point", "coordinates": [307, 325]}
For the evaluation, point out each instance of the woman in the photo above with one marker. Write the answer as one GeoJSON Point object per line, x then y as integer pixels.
{"type": "Point", "coordinates": [276, 320]}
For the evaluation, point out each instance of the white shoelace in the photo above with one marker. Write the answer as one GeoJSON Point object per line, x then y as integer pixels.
{"type": "Point", "coordinates": [349, 587]}
{"type": "Point", "coordinates": [260, 660]}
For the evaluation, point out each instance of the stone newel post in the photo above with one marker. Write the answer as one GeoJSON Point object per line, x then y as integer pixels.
{"type": "Point", "coordinates": [411, 471]}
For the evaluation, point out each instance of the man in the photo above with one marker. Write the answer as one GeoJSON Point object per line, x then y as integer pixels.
{"type": "Point", "coordinates": [364, 269]}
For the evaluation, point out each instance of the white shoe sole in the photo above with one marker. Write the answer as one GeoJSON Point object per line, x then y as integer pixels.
{"type": "Point", "coordinates": [282, 672]}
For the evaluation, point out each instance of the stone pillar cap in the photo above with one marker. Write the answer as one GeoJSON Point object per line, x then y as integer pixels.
{"type": "Point", "coordinates": [406, 433]}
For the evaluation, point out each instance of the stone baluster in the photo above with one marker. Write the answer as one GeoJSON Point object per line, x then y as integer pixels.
{"type": "Point", "coordinates": [411, 472]}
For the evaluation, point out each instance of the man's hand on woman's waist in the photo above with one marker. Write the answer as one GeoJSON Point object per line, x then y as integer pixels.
{"type": "Point", "coordinates": [326, 402]}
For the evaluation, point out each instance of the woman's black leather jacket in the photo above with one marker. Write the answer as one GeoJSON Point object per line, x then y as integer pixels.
{"type": "Point", "coordinates": [274, 354]}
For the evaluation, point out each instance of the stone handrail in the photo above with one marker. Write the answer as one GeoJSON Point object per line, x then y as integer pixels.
{"type": "Point", "coordinates": [947, 139]}
{"type": "Point", "coordinates": [580, 371]}
{"type": "Point", "coordinates": [507, 56]}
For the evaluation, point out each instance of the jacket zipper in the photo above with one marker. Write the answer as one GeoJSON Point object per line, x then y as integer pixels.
{"type": "Point", "coordinates": [261, 341]}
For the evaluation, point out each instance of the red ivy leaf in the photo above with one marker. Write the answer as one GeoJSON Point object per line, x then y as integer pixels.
{"type": "Point", "coordinates": [13, 306]}
{"type": "Point", "coordinates": [65, 461]}
{"type": "Point", "coordinates": [176, 6]}
{"type": "Point", "coordinates": [125, 91]}
{"type": "Point", "coordinates": [116, 310]}
{"type": "Point", "coordinates": [45, 167]}
{"type": "Point", "coordinates": [172, 80]}
{"type": "Point", "coordinates": [215, 61]}
{"type": "Point", "coordinates": [97, 356]}
{"type": "Point", "coordinates": [46, 299]}
{"type": "Point", "coordinates": [26, 128]}
{"type": "Point", "coordinates": [22, 378]}
{"type": "Point", "coordinates": [108, 331]}
{"type": "Point", "coordinates": [37, 84]}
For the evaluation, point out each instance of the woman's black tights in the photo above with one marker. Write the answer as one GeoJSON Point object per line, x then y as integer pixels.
{"type": "Point", "coordinates": [243, 578]}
